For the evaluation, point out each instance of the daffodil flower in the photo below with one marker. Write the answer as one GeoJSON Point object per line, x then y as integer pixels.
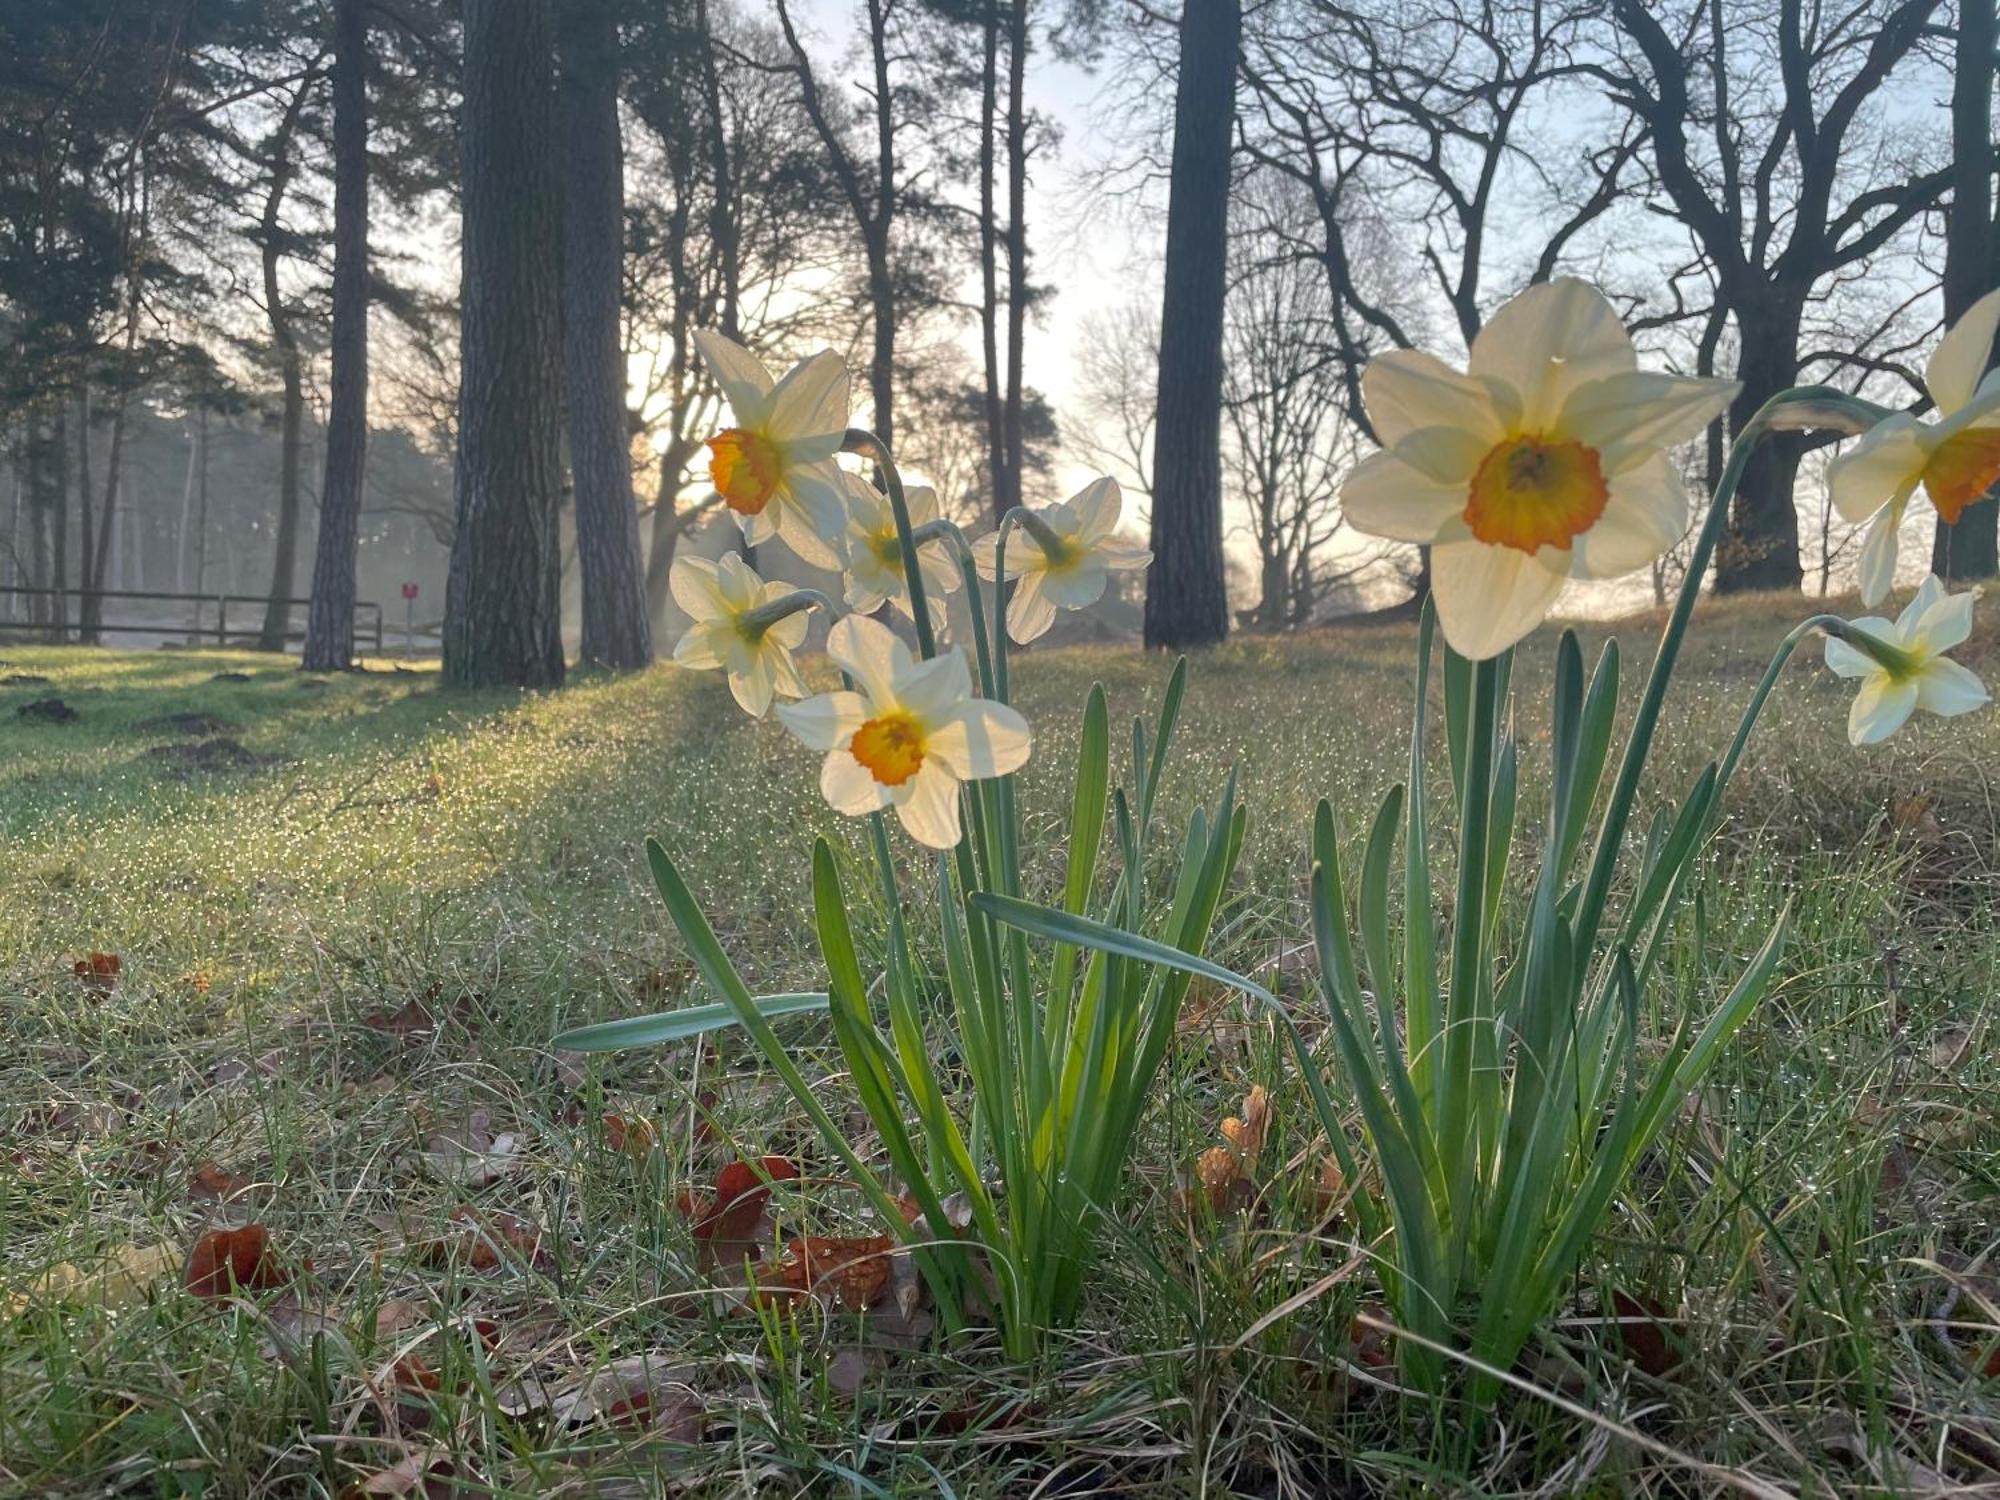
{"type": "Point", "coordinates": [1955, 458]}
{"type": "Point", "coordinates": [1546, 460]}
{"type": "Point", "coordinates": [1065, 560]}
{"type": "Point", "coordinates": [1902, 665]}
{"type": "Point", "coordinates": [908, 736]}
{"type": "Point", "coordinates": [774, 469]}
{"type": "Point", "coordinates": [875, 551]}
{"type": "Point", "coordinates": [740, 626]}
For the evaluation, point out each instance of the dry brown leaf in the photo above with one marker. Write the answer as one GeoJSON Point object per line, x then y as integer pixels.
{"type": "Point", "coordinates": [211, 1184]}
{"type": "Point", "coordinates": [121, 1279]}
{"type": "Point", "coordinates": [99, 973]}
{"type": "Point", "coordinates": [225, 1261]}
{"type": "Point", "coordinates": [730, 1226]}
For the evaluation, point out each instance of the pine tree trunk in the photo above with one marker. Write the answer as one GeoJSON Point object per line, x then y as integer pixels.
{"type": "Point", "coordinates": [291, 369]}
{"type": "Point", "coordinates": [1186, 603]}
{"type": "Point", "coordinates": [615, 628]}
{"type": "Point", "coordinates": [330, 618]}
{"type": "Point", "coordinates": [1971, 549]}
{"type": "Point", "coordinates": [503, 598]}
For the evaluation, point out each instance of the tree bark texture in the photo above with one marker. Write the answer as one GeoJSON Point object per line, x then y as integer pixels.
{"type": "Point", "coordinates": [1971, 549]}
{"type": "Point", "coordinates": [1186, 603]}
{"type": "Point", "coordinates": [1761, 548]}
{"type": "Point", "coordinates": [330, 618]}
{"type": "Point", "coordinates": [615, 628]}
{"type": "Point", "coordinates": [503, 624]}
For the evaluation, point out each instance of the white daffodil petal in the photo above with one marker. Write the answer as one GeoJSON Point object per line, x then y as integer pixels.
{"type": "Point", "coordinates": [1947, 689]}
{"type": "Point", "coordinates": [933, 689]}
{"type": "Point", "coordinates": [741, 375]}
{"type": "Point", "coordinates": [1030, 612]}
{"type": "Point", "coordinates": [790, 632]}
{"type": "Point", "coordinates": [695, 587]}
{"type": "Point", "coordinates": [1096, 507]}
{"type": "Point", "coordinates": [1646, 514]}
{"type": "Point", "coordinates": [1944, 623]}
{"type": "Point", "coordinates": [1631, 414]}
{"type": "Point", "coordinates": [1489, 597]}
{"type": "Point", "coordinates": [811, 401]}
{"type": "Point", "coordinates": [981, 739]}
{"type": "Point", "coordinates": [1076, 587]}
{"type": "Point", "coordinates": [1119, 555]}
{"type": "Point", "coordinates": [985, 556]}
{"type": "Point", "coordinates": [824, 722]}
{"type": "Point", "coordinates": [1385, 497]}
{"type": "Point", "coordinates": [697, 649]}
{"type": "Point", "coordinates": [1406, 389]}
{"type": "Point", "coordinates": [1448, 456]}
{"type": "Point", "coordinates": [868, 651]}
{"type": "Point", "coordinates": [1956, 368]}
{"type": "Point", "coordinates": [1886, 461]}
{"type": "Point", "coordinates": [927, 805]}
{"type": "Point", "coordinates": [760, 528]}
{"type": "Point", "coordinates": [739, 587]}
{"type": "Point", "coordinates": [1880, 709]}
{"type": "Point", "coordinates": [1848, 661]}
{"type": "Point", "coordinates": [1928, 593]}
{"type": "Point", "coordinates": [850, 787]}
{"type": "Point", "coordinates": [1549, 340]}
{"type": "Point", "coordinates": [753, 688]}
{"type": "Point", "coordinates": [1878, 552]}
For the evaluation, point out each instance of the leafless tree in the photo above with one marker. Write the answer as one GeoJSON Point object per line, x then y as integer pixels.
{"type": "Point", "coordinates": [1772, 130]}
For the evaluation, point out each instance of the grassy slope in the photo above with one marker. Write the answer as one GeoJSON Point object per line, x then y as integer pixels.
{"type": "Point", "coordinates": [403, 843]}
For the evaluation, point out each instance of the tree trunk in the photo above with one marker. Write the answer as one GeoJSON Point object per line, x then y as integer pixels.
{"type": "Point", "coordinates": [330, 618]}
{"type": "Point", "coordinates": [989, 277]}
{"type": "Point", "coordinates": [87, 520]}
{"type": "Point", "coordinates": [876, 233]}
{"type": "Point", "coordinates": [291, 369]}
{"type": "Point", "coordinates": [615, 628]}
{"type": "Point", "coordinates": [1017, 236]}
{"type": "Point", "coordinates": [1971, 549]}
{"type": "Point", "coordinates": [1186, 602]}
{"type": "Point", "coordinates": [503, 621]}
{"type": "Point", "coordinates": [59, 529]}
{"type": "Point", "coordinates": [1761, 547]}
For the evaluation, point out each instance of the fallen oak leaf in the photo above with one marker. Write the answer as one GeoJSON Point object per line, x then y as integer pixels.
{"type": "Point", "coordinates": [226, 1261]}
{"type": "Point", "coordinates": [486, 1241]}
{"type": "Point", "coordinates": [1638, 1325]}
{"type": "Point", "coordinates": [427, 1473]}
{"type": "Point", "coordinates": [729, 1227]}
{"type": "Point", "coordinates": [99, 973]}
{"type": "Point", "coordinates": [210, 1182]}
{"type": "Point", "coordinates": [852, 1273]}
{"type": "Point", "coordinates": [635, 1138]}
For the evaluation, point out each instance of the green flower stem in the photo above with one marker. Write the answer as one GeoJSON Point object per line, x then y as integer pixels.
{"type": "Point", "coordinates": [756, 621]}
{"type": "Point", "coordinates": [865, 444]}
{"type": "Point", "coordinates": [1007, 521]}
{"type": "Point", "coordinates": [1810, 405]}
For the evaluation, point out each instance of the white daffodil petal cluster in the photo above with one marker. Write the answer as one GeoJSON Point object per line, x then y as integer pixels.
{"type": "Point", "coordinates": [1955, 458]}
{"type": "Point", "coordinates": [875, 552]}
{"type": "Point", "coordinates": [907, 734]}
{"type": "Point", "coordinates": [720, 597]}
{"type": "Point", "coordinates": [1068, 570]}
{"type": "Point", "coordinates": [1546, 459]}
{"type": "Point", "coordinates": [1917, 673]}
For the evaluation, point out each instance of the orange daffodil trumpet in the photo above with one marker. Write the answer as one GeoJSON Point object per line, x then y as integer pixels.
{"type": "Point", "coordinates": [1066, 559]}
{"type": "Point", "coordinates": [775, 468]}
{"type": "Point", "coordinates": [875, 551]}
{"type": "Point", "coordinates": [907, 735]}
{"type": "Point", "coordinates": [1546, 460]}
{"type": "Point", "coordinates": [1902, 665]}
{"type": "Point", "coordinates": [740, 625]}
{"type": "Point", "coordinates": [1956, 458]}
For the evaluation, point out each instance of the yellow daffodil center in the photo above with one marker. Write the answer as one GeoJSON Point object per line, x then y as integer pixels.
{"type": "Point", "coordinates": [746, 467]}
{"type": "Point", "coordinates": [888, 550]}
{"type": "Point", "coordinates": [1962, 470]}
{"type": "Point", "coordinates": [891, 747]}
{"type": "Point", "coordinates": [1532, 491]}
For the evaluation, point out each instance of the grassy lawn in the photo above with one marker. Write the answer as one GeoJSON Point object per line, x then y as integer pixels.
{"type": "Point", "coordinates": [351, 912]}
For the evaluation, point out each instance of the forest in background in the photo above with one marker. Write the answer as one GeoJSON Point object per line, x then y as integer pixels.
{"type": "Point", "coordinates": [247, 216]}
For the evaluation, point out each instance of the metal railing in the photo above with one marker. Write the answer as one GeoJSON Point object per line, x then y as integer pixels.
{"type": "Point", "coordinates": [367, 614]}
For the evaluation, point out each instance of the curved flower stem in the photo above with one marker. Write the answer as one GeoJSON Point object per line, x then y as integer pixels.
{"type": "Point", "coordinates": [1832, 625]}
{"type": "Point", "coordinates": [864, 443]}
{"type": "Point", "coordinates": [764, 616]}
{"type": "Point", "coordinates": [1790, 410]}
